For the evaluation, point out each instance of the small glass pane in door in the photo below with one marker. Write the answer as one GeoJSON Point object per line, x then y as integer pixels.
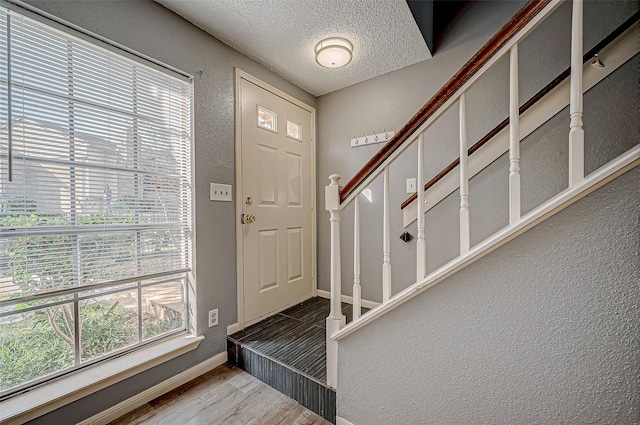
{"type": "Point", "coordinates": [294, 130]}
{"type": "Point", "coordinates": [267, 119]}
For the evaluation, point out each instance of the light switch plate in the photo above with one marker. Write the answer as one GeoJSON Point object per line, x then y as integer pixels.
{"type": "Point", "coordinates": [220, 192]}
{"type": "Point", "coordinates": [411, 185]}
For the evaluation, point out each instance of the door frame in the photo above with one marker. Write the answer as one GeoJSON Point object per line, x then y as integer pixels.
{"type": "Point", "coordinates": [239, 76]}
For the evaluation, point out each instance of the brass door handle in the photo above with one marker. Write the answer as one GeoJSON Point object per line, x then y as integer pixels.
{"type": "Point", "coordinates": [247, 218]}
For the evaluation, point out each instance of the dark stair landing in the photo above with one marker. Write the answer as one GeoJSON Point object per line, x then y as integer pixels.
{"type": "Point", "coordinates": [288, 352]}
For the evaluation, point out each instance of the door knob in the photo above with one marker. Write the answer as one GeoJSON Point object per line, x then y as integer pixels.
{"type": "Point", "coordinates": [247, 218]}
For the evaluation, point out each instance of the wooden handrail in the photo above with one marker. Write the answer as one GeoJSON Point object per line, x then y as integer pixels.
{"type": "Point", "coordinates": [532, 101]}
{"type": "Point", "coordinates": [468, 70]}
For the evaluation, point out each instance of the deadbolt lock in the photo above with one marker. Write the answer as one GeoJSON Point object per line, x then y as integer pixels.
{"type": "Point", "coordinates": [247, 218]}
{"type": "Point", "coordinates": [248, 200]}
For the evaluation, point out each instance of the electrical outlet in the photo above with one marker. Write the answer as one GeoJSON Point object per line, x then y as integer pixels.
{"type": "Point", "coordinates": [219, 192]}
{"type": "Point", "coordinates": [213, 317]}
{"type": "Point", "coordinates": [411, 185]}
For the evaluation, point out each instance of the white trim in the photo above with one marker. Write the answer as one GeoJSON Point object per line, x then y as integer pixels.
{"type": "Point", "coordinates": [233, 328]}
{"type": "Point", "coordinates": [238, 196]}
{"type": "Point", "coordinates": [240, 75]}
{"type": "Point", "coordinates": [60, 392]}
{"type": "Point", "coordinates": [597, 179]}
{"type": "Point", "coordinates": [342, 421]}
{"type": "Point", "coordinates": [347, 299]}
{"type": "Point", "coordinates": [156, 391]}
{"type": "Point", "coordinates": [615, 55]}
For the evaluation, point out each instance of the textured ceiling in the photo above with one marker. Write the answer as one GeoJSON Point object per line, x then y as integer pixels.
{"type": "Point", "coordinates": [282, 34]}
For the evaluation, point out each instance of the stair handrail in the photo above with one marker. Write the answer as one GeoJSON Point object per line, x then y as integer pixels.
{"type": "Point", "coordinates": [504, 44]}
{"type": "Point", "coordinates": [528, 104]}
{"type": "Point", "coordinates": [529, 11]}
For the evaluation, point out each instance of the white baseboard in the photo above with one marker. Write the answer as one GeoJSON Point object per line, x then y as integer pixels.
{"type": "Point", "coordinates": [156, 391]}
{"type": "Point", "coordinates": [341, 421]}
{"type": "Point", "coordinates": [233, 328]}
{"type": "Point", "coordinates": [347, 299]}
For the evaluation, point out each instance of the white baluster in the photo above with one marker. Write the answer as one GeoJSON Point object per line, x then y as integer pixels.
{"type": "Point", "coordinates": [336, 320]}
{"type": "Point", "coordinates": [386, 242]}
{"type": "Point", "coordinates": [514, 138]}
{"type": "Point", "coordinates": [357, 290]}
{"type": "Point", "coordinates": [465, 227]}
{"type": "Point", "coordinates": [576, 133]}
{"type": "Point", "coordinates": [421, 245]}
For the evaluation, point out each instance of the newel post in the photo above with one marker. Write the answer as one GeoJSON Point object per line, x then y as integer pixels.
{"type": "Point", "coordinates": [336, 320]}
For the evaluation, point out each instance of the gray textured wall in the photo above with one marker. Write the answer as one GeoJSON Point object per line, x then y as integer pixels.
{"type": "Point", "coordinates": [151, 29]}
{"type": "Point", "coordinates": [389, 100]}
{"type": "Point", "coordinates": [544, 330]}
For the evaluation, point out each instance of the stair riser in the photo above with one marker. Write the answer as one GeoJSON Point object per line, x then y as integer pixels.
{"type": "Point", "coordinates": [306, 391]}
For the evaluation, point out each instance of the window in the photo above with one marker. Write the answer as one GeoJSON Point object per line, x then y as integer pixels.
{"type": "Point", "coordinates": [95, 202]}
{"type": "Point", "coordinates": [267, 119]}
{"type": "Point", "coordinates": [294, 130]}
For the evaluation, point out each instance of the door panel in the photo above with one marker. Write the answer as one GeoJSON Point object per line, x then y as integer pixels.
{"type": "Point", "coordinates": [276, 158]}
{"type": "Point", "coordinates": [267, 180]}
{"type": "Point", "coordinates": [295, 254]}
{"type": "Point", "coordinates": [268, 259]}
{"type": "Point", "coordinates": [294, 179]}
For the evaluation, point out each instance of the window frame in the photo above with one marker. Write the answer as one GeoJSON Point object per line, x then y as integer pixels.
{"type": "Point", "coordinates": [187, 274]}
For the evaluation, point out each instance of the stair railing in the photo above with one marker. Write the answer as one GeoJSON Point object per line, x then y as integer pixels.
{"type": "Point", "coordinates": [504, 42]}
{"type": "Point", "coordinates": [588, 57]}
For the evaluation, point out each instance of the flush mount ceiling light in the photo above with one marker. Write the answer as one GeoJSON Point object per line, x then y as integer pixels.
{"type": "Point", "coordinates": [334, 52]}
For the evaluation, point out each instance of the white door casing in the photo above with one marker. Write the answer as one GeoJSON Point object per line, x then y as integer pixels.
{"type": "Point", "coordinates": [276, 252]}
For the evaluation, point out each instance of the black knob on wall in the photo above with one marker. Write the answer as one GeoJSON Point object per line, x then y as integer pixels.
{"type": "Point", "coordinates": [406, 237]}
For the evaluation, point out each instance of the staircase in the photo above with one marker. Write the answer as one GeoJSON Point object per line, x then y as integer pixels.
{"type": "Point", "coordinates": [524, 119]}
{"type": "Point", "coordinates": [288, 352]}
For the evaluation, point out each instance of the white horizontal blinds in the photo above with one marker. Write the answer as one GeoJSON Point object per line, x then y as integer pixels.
{"type": "Point", "coordinates": [4, 87]}
{"type": "Point", "coordinates": [101, 165]}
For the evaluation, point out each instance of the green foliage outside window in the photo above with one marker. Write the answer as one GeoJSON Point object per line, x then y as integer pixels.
{"type": "Point", "coordinates": [41, 342]}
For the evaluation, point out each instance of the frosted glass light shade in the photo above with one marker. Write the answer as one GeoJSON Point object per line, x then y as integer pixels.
{"type": "Point", "coordinates": [334, 52]}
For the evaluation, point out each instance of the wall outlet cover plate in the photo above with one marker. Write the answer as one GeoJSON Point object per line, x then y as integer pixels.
{"type": "Point", "coordinates": [213, 317]}
{"type": "Point", "coordinates": [411, 185]}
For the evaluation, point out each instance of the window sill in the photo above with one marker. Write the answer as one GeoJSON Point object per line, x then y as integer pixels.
{"type": "Point", "coordinates": [61, 392]}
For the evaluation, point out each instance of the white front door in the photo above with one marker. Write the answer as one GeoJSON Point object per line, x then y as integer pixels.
{"type": "Point", "coordinates": [276, 149]}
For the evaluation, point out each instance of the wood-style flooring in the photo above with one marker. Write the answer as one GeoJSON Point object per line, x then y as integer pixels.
{"type": "Point", "coordinates": [226, 395]}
